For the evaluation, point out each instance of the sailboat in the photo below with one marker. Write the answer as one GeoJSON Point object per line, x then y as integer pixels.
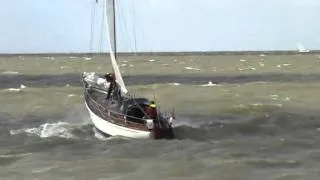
{"type": "Point", "coordinates": [302, 49]}
{"type": "Point", "coordinates": [114, 111]}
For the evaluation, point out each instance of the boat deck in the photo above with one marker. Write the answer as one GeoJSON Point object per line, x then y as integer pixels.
{"type": "Point", "coordinates": [110, 110]}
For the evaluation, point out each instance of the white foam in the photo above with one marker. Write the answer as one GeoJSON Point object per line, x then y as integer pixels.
{"type": "Point", "coordinates": [59, 129]}
{"type": "Point", "coordinates": [87, 58]}
{"type": "Point", "coordinates": [10, 72]}
{"type": "Point", "coordinates": [287, 98]}
{"type": "Point", "coordinates": [71, 95]}
{"type": "Point", "coordinates": [185, 121]}
{"type": "Point", "coordinates": [152, 60]}
{"type": "Point", "coordinates": [22, 86]}
{"type": "Point", "coordinates": [13, 89]}
{"type": "Point", "coordinates": [209, 84]}
{"type": "Point", "coordinates": [243, 60]}
{"type": "Point", "coordinates": [43, 169]}
{"type": "Point", "coordinates": [191, 68]}
{"type": "Point", "coordinates": [274, 96]}
{"type": "Point", "coordinates": [50, 58]}
{"type": "Point", "coordinates": [272, 104]}
{"type": "Point", "coordinates": [174, 84]}
{"type": "Point", "coordinates": [14, 155]}
{"type": "Point", "coordinates": [247, 68]}
{"type": "Point", "coordinates": [283, 65]}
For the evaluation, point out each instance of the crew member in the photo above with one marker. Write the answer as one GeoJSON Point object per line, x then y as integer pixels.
{"type": "Point", "coordinates": [152, 111]}
{"type": "Point", "coordinates": [112, 83]}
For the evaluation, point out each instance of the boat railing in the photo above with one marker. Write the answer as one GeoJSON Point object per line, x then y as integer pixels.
{"type": "Point", "coordinates": [119, 117]}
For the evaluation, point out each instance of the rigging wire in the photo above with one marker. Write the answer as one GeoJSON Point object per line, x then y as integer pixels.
{"type": "Point", "coordinates": [102, 32]}
{"type": "Point", "coordinates": [134, 27]}
{"type": "Point", "coordinates": [122, 22]}
{"type": "Point", "coordinates": [122, 16]}
{"type": "Point", "coordinates": [93, 14]}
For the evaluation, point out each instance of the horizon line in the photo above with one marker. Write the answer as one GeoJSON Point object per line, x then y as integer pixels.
{"type": "Point", "coordinates": [224, 52]}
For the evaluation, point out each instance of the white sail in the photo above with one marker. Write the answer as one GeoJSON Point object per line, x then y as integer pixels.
{"type": "Point", "coordinates": [302, 48]}
{"type": "Point", "coordinates": [111, 22]}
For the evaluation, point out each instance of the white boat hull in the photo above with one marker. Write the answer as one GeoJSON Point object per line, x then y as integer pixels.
{"type": "Point", "coordinates": [116, 130]}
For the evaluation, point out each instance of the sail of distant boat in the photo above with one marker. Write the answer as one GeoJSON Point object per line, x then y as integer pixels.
{"type": "Point", "coordinates": [301, 48]}
{"type": "Point", "coordinates": [111, 23]}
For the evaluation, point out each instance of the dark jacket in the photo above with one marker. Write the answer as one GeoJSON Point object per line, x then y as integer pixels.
{"type": "Point", "coordinates": [152, 112]}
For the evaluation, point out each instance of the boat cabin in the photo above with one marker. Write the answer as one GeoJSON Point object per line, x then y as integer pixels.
{"type": "Point", "coordinates": [135, 108]}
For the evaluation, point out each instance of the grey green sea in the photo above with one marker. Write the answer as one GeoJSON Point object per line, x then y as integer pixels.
{"type": "Point", "coordinates": [239, 117]}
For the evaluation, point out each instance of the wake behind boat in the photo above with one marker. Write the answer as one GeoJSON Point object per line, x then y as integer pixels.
{"type": "Point", "coordinates": [113, 110]}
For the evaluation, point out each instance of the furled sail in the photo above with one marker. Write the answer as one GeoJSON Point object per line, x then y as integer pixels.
{"type": "Point", "coordinates": [111, 22]}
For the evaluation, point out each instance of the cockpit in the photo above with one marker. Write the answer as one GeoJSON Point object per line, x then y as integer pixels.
{"type": "Point", "coordinates": [135, 109]}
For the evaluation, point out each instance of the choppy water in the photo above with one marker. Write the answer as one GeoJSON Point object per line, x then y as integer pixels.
{"type": "Point", "coordinates": [259, 119]}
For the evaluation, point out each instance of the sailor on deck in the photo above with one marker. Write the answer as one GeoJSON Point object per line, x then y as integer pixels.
{"type": "Point", "coordinates": [152, 111]}
{"type": "Point", "coordinates": [112, 84]}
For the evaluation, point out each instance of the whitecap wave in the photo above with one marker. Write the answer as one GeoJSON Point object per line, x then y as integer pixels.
{"type": "Point", "coordinates": [192, 68]}
{"type": "Point", "coordinates": [174, 84]}
{"type": "Point", "coordinates": [10, 72]}
{"type": "Point", "coordinates": [13, 90]}
{"type": "Point", "coordinates": [209, 84]}
{"type": "Point", "coordinates": [47, 130]}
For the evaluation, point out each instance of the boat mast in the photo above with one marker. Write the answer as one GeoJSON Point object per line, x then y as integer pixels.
{"type": "Point", "coordinates": [113, 45]}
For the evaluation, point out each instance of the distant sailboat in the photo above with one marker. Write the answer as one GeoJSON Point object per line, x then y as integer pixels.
{"type": "Point", "coordinates": [113, 110]}
{"type": "Point", "coordinates": [302, 49]}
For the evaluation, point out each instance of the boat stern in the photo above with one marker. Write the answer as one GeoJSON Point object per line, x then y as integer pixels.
{"type": "Point", "coordinates": [161, 130]}
{"type": "Point", "coordinates": [163, 133]}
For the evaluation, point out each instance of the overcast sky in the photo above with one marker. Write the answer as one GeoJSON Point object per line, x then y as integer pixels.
{"type": "Point", "coordinates": [160, 25]}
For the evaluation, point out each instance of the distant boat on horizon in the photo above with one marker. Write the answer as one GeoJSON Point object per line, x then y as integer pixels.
{"type": "Point", "coordinates": [302, 49]}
